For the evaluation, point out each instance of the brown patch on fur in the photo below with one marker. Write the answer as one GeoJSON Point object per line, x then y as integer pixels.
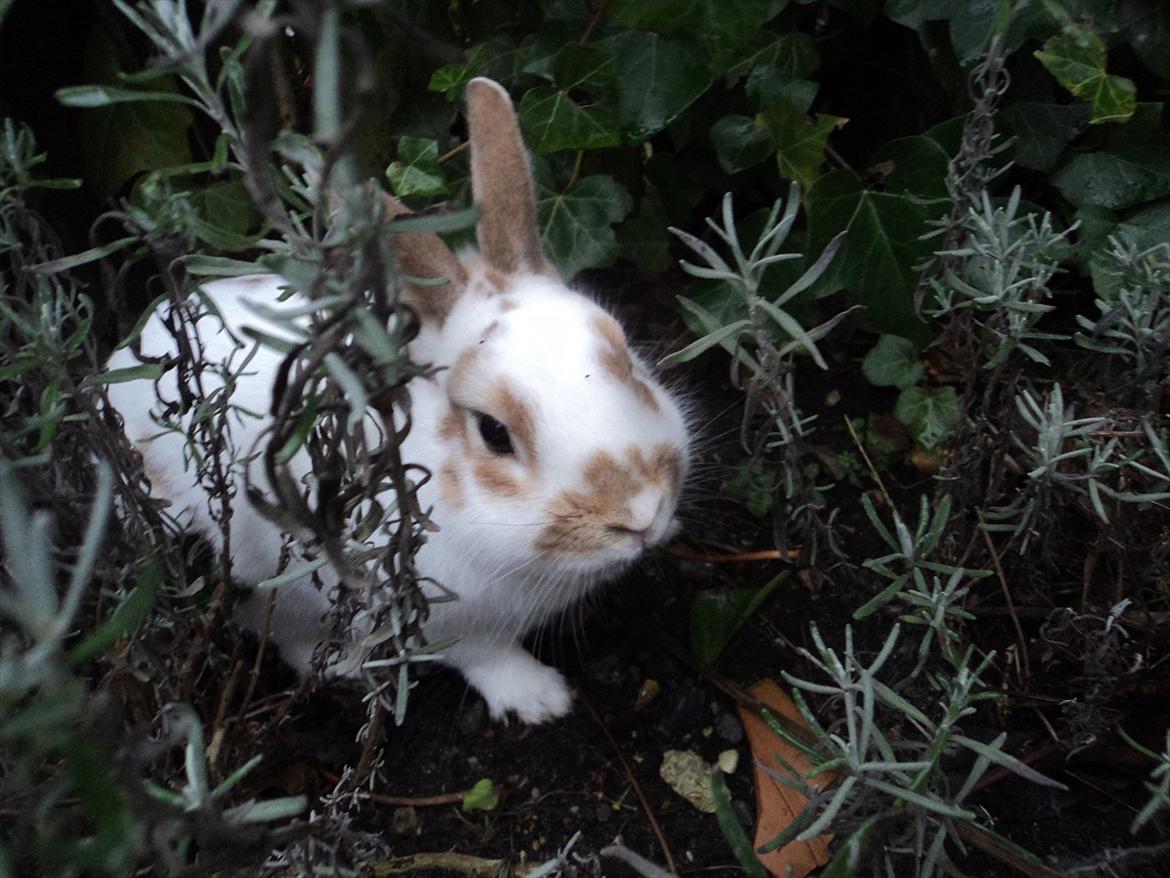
{"type": "Point", "coordinates": [615, 359]}
{"type": "Point", "coordinates": [581, 520]}
{"type": "Point", "coordinates": [662, 467]}
{"type": "Point", "coordinates": [666, 465]}
{"type": "Point", "coordinates": [424, 255]}
{"type": "Point", "coordinates": [645, 394]}
{"type": "Point", "coordinates": [507, 305]}
{"type": "Point", "coordinates": [497, 279]}
{"type": "Point", "coordinates": [462, 368]}
{"type": "Point", "coordinates": [515, 414]}
{"type": "Point", "coordinates": [159, 485]}
{"type": "Point", "coordinates": [493, 329]}
{"type": "Point", "coordinates": [450, 486]}
{"type": "Point", "coordinates": [495, 475]}
{"type": "Point", "coordinates": [501, 183]}
{"type": "Point", "coordinates": [453, 425]}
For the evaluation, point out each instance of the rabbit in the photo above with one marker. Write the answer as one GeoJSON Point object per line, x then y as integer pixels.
{"type": "Point", "coordinates": [557, 457]}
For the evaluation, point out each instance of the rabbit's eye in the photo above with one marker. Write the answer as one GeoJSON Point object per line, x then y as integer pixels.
{"type": "Point", "coordinates": [495, 435]}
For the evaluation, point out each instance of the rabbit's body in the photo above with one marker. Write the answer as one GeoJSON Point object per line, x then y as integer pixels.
{"type": "Point", "coordinates": [556, 458]}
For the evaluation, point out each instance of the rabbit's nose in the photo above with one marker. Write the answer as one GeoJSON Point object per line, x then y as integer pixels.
{"type": "Point", "coordinates": [646, 510]}
{"type": "Point", "coordinates": [642, 537]}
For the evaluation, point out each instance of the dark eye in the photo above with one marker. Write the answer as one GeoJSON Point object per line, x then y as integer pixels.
{"type": "Point", "coordinates": [495, 435]}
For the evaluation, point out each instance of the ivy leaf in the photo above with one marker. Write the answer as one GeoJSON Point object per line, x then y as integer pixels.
{"type": "Point", "coordinates": [1144, 229]}
{"type": "Point", "coordinates": [1042, 131]}
{"type": "Point", "coordinates": [929, 413]}
{"type": "Point", "coordinates": [1077, 57]}
{"type": "Point", "coordinates": [882, 247]}
{"type": "Point", "coordinates": [576, 224]}
{"type": "Point", "coordinates": [553, 121]}
{"type": "Point", "coordinates": [971, 22]}
{"type": "Point", "coordinates": [725, 28]}
{"type": "Point", "coordinates": [417, 170]}
{"type": "Point", "coordinates": [122, 136]}
{"type": "Point", "coordinates": [1131, 168]}
{"type": "Point", "coordinates": [661, 16]}
{"type": "Point", "coordinates": [643, 237]}
{"type": "Point", "coordinates": [716, 616]}
{"type": "Point", "coordinates": [229, 206]}
{"type": "Point", "coordinates": [658, 79]}
{"type": "Point", "coordinates": [793, 56]}
{"type": "Point", "coordinates": [1146, 27]}
{"type": "Point", "coordinates": [893, 362]}
{"type": "Point", "coordinates": [914, 166]}
{"type": "Point", "coordinates": [800, 142]}
{"type": "Point", "coordinates": [587, 67]}
{"type": "Point", "coordinates": [740, 143]}
{"type": "Point", "coordinates": [765, 87]}
{"type": "Point", "coordinates": [730, 25]}
{"type": "Point", "coordinates": [484, 58]}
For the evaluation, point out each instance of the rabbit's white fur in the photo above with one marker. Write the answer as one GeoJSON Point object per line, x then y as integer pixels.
{"type": "Point", "coordinates": [599, 448]}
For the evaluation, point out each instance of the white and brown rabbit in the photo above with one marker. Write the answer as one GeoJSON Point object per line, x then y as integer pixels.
{"type": "Point", "coordinates": [557, 457]}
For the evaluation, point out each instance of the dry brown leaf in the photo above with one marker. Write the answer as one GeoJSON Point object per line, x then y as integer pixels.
{"type": "Point", "coordinates": [777, 805]}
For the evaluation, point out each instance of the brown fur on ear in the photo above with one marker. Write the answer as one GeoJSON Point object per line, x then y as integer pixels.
{"type": "Point", "coordinates": [501, 182]}
{"type": "Point", "coordinates": [424, 255]}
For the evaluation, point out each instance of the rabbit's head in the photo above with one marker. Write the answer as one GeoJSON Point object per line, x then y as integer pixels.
{"type": "Point", "coordinates": [555, 447]}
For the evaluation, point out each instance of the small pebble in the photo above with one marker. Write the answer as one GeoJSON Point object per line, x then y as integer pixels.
{"type": "Point", "coordinates": [685, 716]}
{"type": "Point", "coordinates": [648, 692]}
{"type": "Point", "coordinates": [729, 729]}
{"type": "Point", "coordinates": [728, 761]}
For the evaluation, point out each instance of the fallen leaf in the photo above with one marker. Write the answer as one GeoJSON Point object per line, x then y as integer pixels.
{"type": "Point", "coordinates": [776, 804]}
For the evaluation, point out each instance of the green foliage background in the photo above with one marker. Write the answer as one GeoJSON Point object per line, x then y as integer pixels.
{"type": "Point", "coordinates": [640, 112]}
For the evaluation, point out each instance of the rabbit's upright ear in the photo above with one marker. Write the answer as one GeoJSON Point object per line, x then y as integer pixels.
{"type": "Point", "coordinates": [425, 256]}
{"type": "Point", "coordinates": [501, 183]}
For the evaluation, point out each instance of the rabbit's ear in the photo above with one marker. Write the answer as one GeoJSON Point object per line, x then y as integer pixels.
{"type": "Point", "coordinates": [425, 256]}
{"type": "Point", "coordinates": [501, 183]}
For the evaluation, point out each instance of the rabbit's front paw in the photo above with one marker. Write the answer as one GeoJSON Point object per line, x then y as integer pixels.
{"type": "Point", "coordinates": [515, 682]}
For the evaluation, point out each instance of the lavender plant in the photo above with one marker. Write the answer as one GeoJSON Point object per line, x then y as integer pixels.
{"type": "Point", "coordinates": [1000, 272]}
{"type": "Point", "coordinates": [897, 790]}
{"type": "Point", "coordinates": [1134, 321]}
{"type": "Point", "coordinates": [769, 383]}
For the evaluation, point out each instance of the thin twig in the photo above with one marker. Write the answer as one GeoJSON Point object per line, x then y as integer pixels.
{"type": "Point", "coordinates": [869, 463]}
{"type": "Point", "coordinates": [442, 861]}
{"type": "Point", "coordinates": [455, 798]}
{"type": "Point", "coordinates": [637, 787]}
{"type": "Point", "coordinates": [454, 151]}
{"type": "Point", "coordinates": [221, 722]}
{"type": "Point", "coordinates": [373, 742]}
{"type": "Point", "coordinates": [576, 169]}
{"type": "Point", "coordinates": [762, 555]}
{"type": "Point", "coordinates": [1007, 595]}
{"type": "Point", "coordinates": [593, 22]}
